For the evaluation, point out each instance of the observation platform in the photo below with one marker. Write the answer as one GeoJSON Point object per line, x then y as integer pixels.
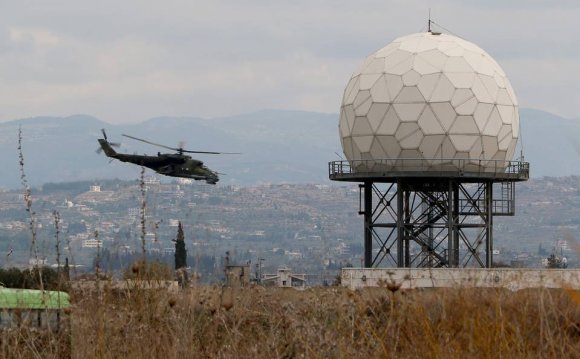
{"type": "Point", "coordinates": [389, 170]}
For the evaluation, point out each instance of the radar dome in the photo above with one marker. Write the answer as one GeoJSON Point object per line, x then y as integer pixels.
{"type": "Point", "coordinates": [431, 97]}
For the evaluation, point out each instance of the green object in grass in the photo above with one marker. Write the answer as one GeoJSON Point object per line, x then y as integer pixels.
{"type": "Point", "coordinates": [33, 299]}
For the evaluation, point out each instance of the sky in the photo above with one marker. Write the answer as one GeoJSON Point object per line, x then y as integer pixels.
{"type": "Point", "coordinates": [131, 60]}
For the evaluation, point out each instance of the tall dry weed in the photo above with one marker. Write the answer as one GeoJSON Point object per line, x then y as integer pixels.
{"type": "Point", "coordinates": [328, 323]}
{"type": "Point", "coordinates": [32, 220]}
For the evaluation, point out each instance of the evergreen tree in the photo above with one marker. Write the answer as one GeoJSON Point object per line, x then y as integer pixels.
{"type": "Point", "coordinates": [180, 251]}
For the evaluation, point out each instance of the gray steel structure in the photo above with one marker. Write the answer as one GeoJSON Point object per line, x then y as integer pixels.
{"type": "Point", "coordinates": [431, 213]}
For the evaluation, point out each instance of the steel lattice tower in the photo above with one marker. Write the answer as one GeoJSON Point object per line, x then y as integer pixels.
{"type": "Point", "coordinates": [420, 218]}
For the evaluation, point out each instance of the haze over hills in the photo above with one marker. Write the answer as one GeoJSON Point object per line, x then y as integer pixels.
{"type": "Point", "coordinates": [277, 146]}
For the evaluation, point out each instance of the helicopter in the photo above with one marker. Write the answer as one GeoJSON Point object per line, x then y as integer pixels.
{"type": "Point", "coordinates": [168, 164]}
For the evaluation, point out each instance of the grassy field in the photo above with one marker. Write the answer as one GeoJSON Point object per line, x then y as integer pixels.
{"type": "Point", "coordinates": [329, 322]}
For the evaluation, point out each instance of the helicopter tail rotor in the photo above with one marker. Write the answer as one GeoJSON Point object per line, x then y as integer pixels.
{"type": "Point", "coordinates": [112, 144]}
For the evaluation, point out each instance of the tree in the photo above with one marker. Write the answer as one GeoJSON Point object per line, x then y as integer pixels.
{"type": "Point", "coordinates": [180, 251]}
{"type": "Point", "coordinates": [29, 278]}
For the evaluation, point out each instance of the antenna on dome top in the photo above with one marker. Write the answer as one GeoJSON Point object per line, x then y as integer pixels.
{"type": "Point", "coordinates": [429, 22]}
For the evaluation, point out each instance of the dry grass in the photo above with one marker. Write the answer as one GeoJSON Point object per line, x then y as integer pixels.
{"type": "Point", "coordinates": [211, 322]}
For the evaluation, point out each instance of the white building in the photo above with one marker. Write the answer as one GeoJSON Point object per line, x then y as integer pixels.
{"type": "Point", "coordinates": [284, 278]}
{"type": "Point", "coordinates": [92, 243]}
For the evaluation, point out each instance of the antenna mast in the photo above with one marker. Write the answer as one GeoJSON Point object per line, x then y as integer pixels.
{"type": "Point", "coordinates": [429, 21]}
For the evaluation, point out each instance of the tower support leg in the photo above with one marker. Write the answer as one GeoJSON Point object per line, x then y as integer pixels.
{"type": "Point", "coordinates": [451, 225]}
{"type": "Point", "coordinates": [368, 223]}
{"type": "Point", "coordinates": [489, 224]}
{"type": "Point", "coordinates": [400, 226]}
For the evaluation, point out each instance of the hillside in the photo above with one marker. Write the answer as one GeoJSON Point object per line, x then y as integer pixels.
{"type": "Point", "coordinates": [277, 146]}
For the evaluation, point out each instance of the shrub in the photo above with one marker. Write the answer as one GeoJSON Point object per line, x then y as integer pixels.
{"type": "Point", "coordinates": [148, 270]}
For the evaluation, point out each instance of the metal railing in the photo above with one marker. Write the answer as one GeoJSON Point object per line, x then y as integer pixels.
{"type": "Point", "coordinates": [422, 167]}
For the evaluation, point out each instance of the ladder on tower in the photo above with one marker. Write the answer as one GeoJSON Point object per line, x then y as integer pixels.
{"type": "Point", "coordinates": [505, 204]}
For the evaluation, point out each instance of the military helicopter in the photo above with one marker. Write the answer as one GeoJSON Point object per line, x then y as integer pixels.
{"type": "Point", "coordinates": [168, 164]}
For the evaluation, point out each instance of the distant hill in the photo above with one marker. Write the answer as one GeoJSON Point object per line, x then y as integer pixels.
{"type": "Point", "coordinates": [551, 143]}
{"type": "Point", "coordinates": [277, 146]}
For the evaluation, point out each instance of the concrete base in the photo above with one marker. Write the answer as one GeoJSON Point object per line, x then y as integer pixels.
{"type": "Point", "coordinates": [510, 278]}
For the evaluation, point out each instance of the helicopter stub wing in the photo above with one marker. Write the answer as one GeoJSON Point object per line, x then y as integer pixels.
{"type": "Point", "coordinates": [208, 179]}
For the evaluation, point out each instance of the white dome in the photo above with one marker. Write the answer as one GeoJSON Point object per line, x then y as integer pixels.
{"type": "Point", "coordinates": [430, 97]}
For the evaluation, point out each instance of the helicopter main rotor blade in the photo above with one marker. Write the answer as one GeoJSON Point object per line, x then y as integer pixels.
{"type": "Point", "coordinates": [212, 153]}
{"type": "Point", "coordinates": [152, 143]}
{"type": "Point", "coordinates": [181, 150]}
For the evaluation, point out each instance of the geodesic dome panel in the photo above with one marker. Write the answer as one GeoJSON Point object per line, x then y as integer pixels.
{"type": "Point", "coordinates": [433, 98]}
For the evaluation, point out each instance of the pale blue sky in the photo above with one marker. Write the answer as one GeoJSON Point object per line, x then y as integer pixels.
{"type": "Point", "coordinates": [127, 61]}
